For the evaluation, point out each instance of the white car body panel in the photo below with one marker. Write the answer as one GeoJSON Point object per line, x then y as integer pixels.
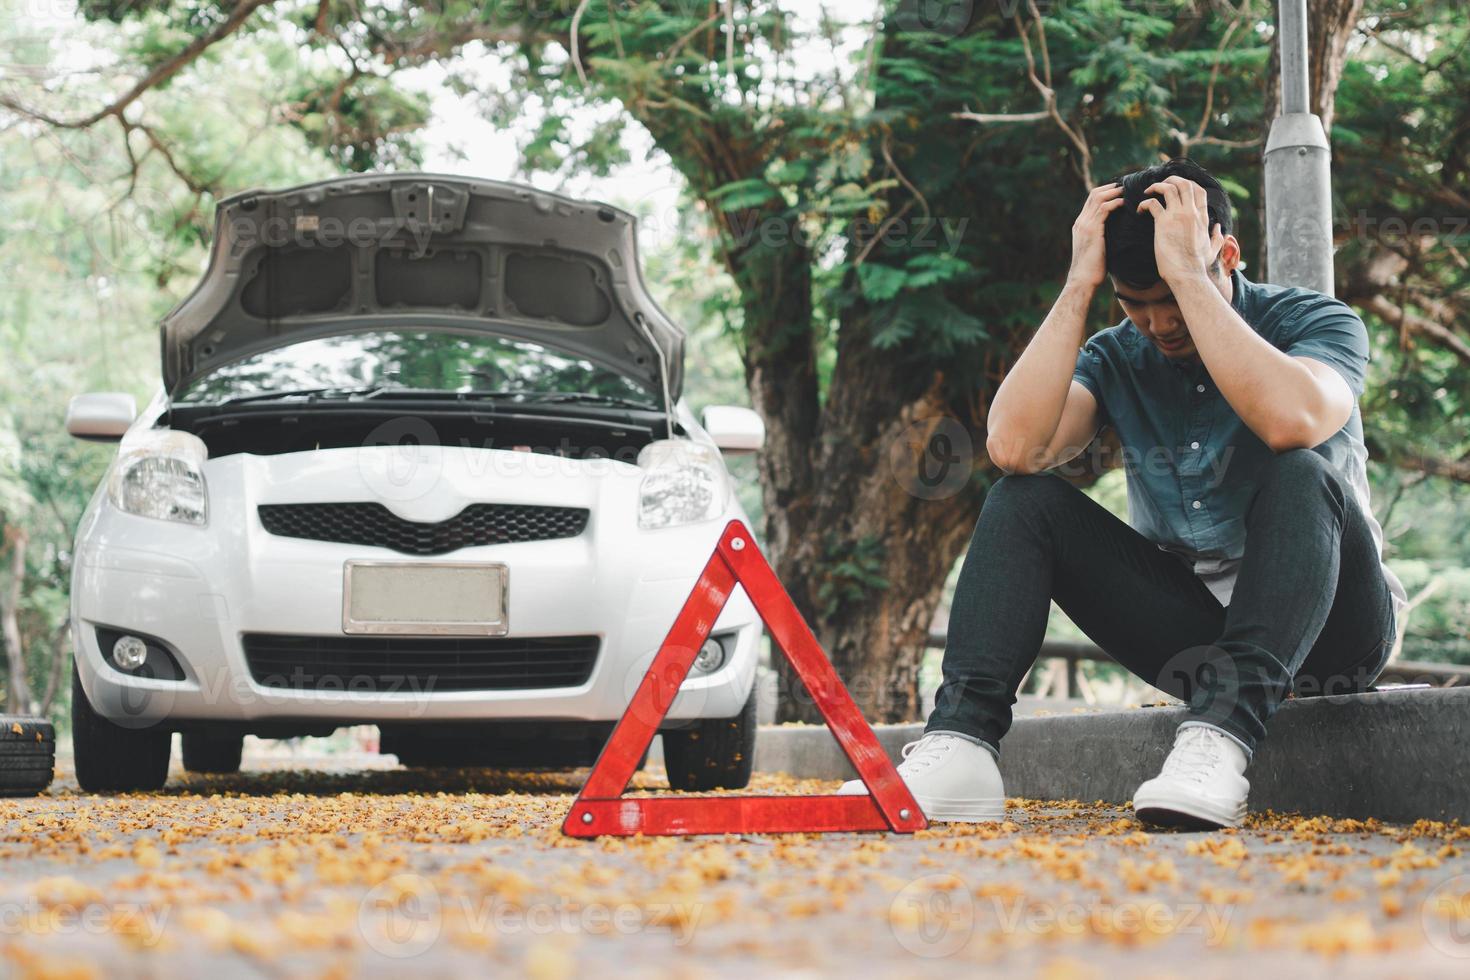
{"type": "Point", "coordinates": [199, 589]}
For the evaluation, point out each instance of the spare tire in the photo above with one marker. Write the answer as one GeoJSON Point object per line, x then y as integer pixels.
{"type": "Point", "coordinates": [27, 755]}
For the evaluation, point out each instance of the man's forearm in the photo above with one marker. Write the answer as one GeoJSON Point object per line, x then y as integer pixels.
{"type": "Point", "coordinates": [1027, 407]}
{"type": "Point", "coordinates": [1275, 395]}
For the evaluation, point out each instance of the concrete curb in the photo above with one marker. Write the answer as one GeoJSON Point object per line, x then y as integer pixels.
{"type": "Point", "coordinates": [1395, 755]}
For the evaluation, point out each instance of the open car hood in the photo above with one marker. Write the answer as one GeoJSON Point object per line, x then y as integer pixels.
{"type": "Point", "coordinates": [382, 252]}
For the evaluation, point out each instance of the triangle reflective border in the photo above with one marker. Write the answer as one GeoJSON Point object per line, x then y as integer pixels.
{"type": "Point", "coordinates": [602, 810]}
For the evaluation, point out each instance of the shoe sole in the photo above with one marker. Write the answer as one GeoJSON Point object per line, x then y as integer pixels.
{"type": "Point", "coordinates": [939, 810]}
{"type": "Point", "coordinates": [1183, 813]}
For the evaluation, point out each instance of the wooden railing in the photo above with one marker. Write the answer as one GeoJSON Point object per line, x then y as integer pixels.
{"type": "Point", "coordinates": [1073, 653]}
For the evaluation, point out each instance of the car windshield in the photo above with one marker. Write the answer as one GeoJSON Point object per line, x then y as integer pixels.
{"type": "Point", "coordinates": [419, 361]}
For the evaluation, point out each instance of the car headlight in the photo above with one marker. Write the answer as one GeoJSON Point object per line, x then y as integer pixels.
{"type": "Point", "coordinates": [683, 482]}
{"type": "Point", "coordinates": [161, 475]}
{"type": "Point", "coordinates": [710, 658]}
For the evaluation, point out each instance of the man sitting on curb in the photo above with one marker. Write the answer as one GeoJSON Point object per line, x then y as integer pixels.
{"type": "Point", "coordinates": [1251, 564]}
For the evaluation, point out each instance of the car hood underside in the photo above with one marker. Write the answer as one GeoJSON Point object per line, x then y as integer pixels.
{"type": "Point", "coordinates": [385, 252]}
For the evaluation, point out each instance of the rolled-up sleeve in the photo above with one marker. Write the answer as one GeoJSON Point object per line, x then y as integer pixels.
{"type": "Point", "coordinates": [1089, 373]}
{"type": "Point", "coordinates": [1336, 336]}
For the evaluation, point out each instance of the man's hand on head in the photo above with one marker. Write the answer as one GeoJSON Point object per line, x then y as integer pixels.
{"type": "Point", "coordinates": [1089, 252]}
{"type": "Point", "coordinates": [1185, 245]}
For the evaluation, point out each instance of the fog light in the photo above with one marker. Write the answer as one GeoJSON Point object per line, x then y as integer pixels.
{"type": "Point", "coordinates": [711, 657]}
{"type": "Point", "coordinates": [129, 652]}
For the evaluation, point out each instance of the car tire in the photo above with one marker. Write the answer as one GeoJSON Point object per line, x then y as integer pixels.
{"type": "Point", "coordinates": [716, 753]}
{"type": "Point", "coordinates": [212, 752]}
{"type": "Point", "coordinates": [27, 755]}
{"type": "Point", "coordinates": [111, 758]}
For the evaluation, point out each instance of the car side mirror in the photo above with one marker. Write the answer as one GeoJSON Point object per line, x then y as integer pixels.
{"type": "Point", "coordinates": [735, 430]}
{"type": "Point", "coordinates": [101, 416]}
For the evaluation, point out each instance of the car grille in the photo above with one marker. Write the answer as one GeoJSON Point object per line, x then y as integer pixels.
{"type": "Point", "coordinates": [373, 524]}
{"type": "Point", "coordinates": [418, 665]}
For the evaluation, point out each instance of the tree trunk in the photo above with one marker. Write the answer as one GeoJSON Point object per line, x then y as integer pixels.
{"type": "Point", "coordinates": [781, 375]}
{"type": "Point", "coordinates": [17, 692]}
{"type": "Point", "coordinates": [871, 493]}
{"type": "Point", "coordinates": [772, 267]}
{"type": "Point", "coordinates": [865, 557]}
{"type": "Point", "coordinates": [868, 559]}
{"type": "Point", "coordinates": [59, 650]}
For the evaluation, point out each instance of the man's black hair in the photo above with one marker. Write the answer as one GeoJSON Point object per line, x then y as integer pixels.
{"type": "Point", "coordinates": [1129, 236]}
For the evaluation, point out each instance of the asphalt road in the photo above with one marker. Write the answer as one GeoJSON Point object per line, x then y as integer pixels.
{"type": "Point", "coordinates": [328, 871]}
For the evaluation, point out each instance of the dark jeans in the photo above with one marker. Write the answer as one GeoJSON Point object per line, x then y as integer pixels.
{"type": "Point", "coordinates": [1311, 610]}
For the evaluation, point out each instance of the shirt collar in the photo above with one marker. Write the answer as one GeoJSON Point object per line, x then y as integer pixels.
{"type": "Point", "coordinates": [1238, 286]}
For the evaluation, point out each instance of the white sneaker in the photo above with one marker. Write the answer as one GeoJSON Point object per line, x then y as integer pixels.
{"type": "Point", "coordinates": [952, 780]}
{"type": "Point", "coordinates": [1202, 784]}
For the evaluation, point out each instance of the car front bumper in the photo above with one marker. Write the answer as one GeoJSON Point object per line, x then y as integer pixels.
{"type": "Point", "coordinates": [199, 590]}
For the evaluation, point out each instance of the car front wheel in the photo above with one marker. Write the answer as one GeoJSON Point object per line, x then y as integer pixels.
{"type": "Point", "coordinates": [111, 758]}
{"type": "Point", "coordinates": [716, 753]}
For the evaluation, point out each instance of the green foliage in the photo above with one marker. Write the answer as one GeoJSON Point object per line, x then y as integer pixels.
{"type": "Point", "coordinates": [94, 249]}
{"type": "Point", "coordinates": [742, 194]}
{"type": "Point", "coordinates": [15, 494]}
{"type": "Point", "coordinates": [1400, 176]}
{"type": "Point", "coordinates": [1439, 624]}
{"type": "Point", "coordinates": [881, 283]}
{"type": "Point", "coordinates": [840, 210]}
{"type": "Point", "coordinates": [363, 123]}
{"type": "Point", "coordinates": [851, 572]}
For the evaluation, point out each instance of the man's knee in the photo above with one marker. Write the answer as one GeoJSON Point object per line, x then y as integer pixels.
{"type": "Point", "coordinates": [1021, 502]}
{"type": "Point", "coordinates": [1026, 490]}
{"type": "Point", "coordinates": [1298, 465]}
{"type": "Point", "coordinates": [1300, 476]}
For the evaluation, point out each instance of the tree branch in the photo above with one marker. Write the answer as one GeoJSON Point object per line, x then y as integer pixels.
{"type": "Point", "coordinates": [576, 45]}
{"type": "Point", "coordinates": [1204, 121]}
{"type": "Point", "coordinates": [902, 177]}
{"type": "Point", "coordinates": [882, 230]}
{"type": "Point", "coordinates": [160, 73]}
{"type": "Point", "coordinates": [1451, 469]}
{"type": "Point", "coordinates": [1042, 84]}
{"type": "Point", "coordinates": [1416, 324]}
{"type": "Point", "coordinates": [730, 39]}
{"type": "Point", "coordinates": [446, 42]}
{"type": "Point", "coordinates": [985, 118]}
{"type": "Point", "coordinates": [156, 144]}
{"type": "Point", "coordinates": [680, 44]}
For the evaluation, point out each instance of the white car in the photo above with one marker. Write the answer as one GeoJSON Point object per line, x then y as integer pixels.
{"type": "Point", "coordinates": [419, 460]}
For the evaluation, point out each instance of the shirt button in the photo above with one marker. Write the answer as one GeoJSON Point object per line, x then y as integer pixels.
{"type": "Point", "coordinates": [1199, 388]}
{"type": "Point", "coordinates": [1197, 505]}
{"type": "Point", "coordinates": [1194, 445]}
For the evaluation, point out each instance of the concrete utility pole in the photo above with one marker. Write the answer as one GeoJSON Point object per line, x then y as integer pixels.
{"type": "Point", "coordinates": [1298, 169]}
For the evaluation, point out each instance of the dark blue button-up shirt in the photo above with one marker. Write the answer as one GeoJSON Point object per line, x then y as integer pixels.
{"type": "Point", "coordinates": [1191, 463]}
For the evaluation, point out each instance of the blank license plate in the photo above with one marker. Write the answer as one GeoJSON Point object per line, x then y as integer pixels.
{"type": "Point", "coordinates": [442, 598]}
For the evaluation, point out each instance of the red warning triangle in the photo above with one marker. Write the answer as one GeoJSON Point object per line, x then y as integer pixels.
{"type": "Point", "coordinates": [601, 809]}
